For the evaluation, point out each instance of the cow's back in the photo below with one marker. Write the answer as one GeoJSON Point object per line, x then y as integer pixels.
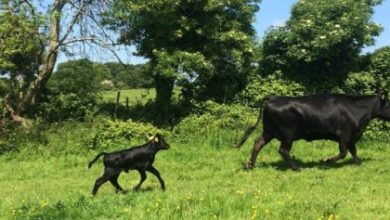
{"type": "Point", "coordinates": [314, 117]}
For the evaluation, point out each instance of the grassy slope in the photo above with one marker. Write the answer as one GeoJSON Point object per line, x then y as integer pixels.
{"type": "Point", "coordinates": [203, 182]}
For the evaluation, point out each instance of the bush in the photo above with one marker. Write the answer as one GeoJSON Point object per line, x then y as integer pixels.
{"type": "Point", "coordinates": [274, 84]}
{"type": "Point", "coordinates": [216, 124]}
{"type": "Point", "coordinates": [113, 132]}
{"type": "Point", "coordinates": [59, 107]}
{"type": "Point", "coordinates": [73, 92]}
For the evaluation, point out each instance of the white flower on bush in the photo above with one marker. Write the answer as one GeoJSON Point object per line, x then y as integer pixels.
{"type": "Point", "coordinates": [337, 26]}
{"type": "Point", "coordinates": [322, 37]}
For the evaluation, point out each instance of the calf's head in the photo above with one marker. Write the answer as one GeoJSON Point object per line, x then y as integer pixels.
{"type": "Point", "coordinates": [160, 142]}
{"type": "Point", "coordinates": [384, 106]}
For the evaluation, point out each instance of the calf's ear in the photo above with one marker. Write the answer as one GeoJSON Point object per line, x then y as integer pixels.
{"type": "Point", "coordinates": [384, 95]}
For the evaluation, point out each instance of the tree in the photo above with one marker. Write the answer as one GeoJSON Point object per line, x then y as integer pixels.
{"type": "Point", "coordinates": [72, 91]}
{"type": "Point", "coordinates": [206, 44]}
{"type": "Point", "coordinates": [36, 40]}
{"type": "Point", "coordinates": [322, 40]}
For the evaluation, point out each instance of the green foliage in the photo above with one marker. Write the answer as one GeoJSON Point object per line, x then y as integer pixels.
{"type": "Point", "coordinates": [273, 84]}
{"type": "Point", "coordinates": [130, 76]}
{"type": "Point", "coordinates": [116, 131]}
{"type": "Point", "coordinates": [323, 39]}
{"type": "Point", "coordinates": [19, 41]}
{"type": "Point", "coordinates": [379, 66]}
{"type": "Point", "coordinates": [217, 124]}
{"type": "Point", "coordinates": [209, 43]}
{"type": "Point", "coordinates": [73, 92]}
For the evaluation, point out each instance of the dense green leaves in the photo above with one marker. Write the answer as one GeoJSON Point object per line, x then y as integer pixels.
{"type": "Point", "coordinates": [19, 41]}
{"type": "Point", "coordinates": [323, 39]}
{"type": "Point", "coordinates": [206, 42]}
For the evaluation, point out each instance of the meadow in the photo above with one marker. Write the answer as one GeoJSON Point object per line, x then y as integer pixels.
{"type": "Point", "coordinates": [49, 179]}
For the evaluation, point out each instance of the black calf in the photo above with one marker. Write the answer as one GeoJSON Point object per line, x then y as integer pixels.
{"type": "Point", "coordinates": [138, 158]}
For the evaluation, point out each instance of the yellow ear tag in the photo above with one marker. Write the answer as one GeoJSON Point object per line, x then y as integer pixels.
{"type": "Point", "coordinates": [156, 139]}
{"type": "Point", "coordinates": [383, 97]}
{"type": "Point", "coordinates": [150, 138]}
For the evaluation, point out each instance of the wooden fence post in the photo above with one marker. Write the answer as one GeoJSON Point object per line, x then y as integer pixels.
{"type": "Point", "coordinates": [117, 102]}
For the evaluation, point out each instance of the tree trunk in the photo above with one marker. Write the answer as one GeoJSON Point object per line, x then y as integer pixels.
{"type": "Point", "coordinates": [164, 90]}
{"type": "Point", "coordinates": [34, 91]}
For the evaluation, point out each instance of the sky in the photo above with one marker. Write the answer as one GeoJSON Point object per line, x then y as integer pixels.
{"type": "Point", "coordinates": [272, 13]}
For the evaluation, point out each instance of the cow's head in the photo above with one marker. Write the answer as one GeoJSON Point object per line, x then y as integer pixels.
{"type": "Point", "coordinates": [384, 105]}
{"type": "Point", "coordinates": [160, 142]}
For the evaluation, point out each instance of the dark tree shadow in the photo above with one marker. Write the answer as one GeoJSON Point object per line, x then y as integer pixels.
{"type": "Point", "coordinates": [282, 165]}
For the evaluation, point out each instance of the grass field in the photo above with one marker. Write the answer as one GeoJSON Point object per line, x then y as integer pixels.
{"type": "Point", "coordinates": [134, 95]}
{"type": "Point", "coordinates": [203, 182]}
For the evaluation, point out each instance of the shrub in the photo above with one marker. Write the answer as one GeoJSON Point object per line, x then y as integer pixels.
{"type": "Point", "coordinates": [72, 92]}
{"type": "Point", "coordinates": [116, 131]}
{"type": "Point", "coordinates": [216, 124]}
{"type": "Point", "coordinates": [274, 84]}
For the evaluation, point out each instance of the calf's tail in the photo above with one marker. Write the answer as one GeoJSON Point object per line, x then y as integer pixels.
{"type": "Point", "coordinates": [96, 158]}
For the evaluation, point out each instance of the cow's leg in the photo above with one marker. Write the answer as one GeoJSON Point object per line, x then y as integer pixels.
{"type": "Point", "coordinates": [343, 153]}
{"type": "Point", "coordinates": [114, 182]}
{"type": "Point", "coordinates": [157, 174]}
{"type": "Point", "coordinates": [108, 174]}
{"type": "Point", "coordinates": [143, 178]}
{"type": "Point", "coordinates": [352, 150]}
{"type": "Point", "coordinates": [284, 151]}
{"type": "Point", "coordinates": [258, 145]}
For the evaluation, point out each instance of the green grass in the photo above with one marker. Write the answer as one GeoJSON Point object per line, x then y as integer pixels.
{"type": "Point", "coordinates": [203, 182]}
{"type": "Point", "coordinates": [134, 95]}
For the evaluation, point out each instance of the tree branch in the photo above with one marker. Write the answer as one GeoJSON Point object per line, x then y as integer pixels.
{"type": "Point", "coordinates": [76, 17]}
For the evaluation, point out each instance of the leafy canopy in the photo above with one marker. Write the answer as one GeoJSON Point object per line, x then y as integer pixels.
{"type": "Point", "coordinates": [322, 39]}
{"type": "Point", "coordinates": [194, 40]}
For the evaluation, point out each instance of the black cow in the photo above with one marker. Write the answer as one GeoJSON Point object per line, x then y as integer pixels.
{"type": "Point", "coordinates": [340, 118]}
{"type": "Point", "coordinates": [139, 158]}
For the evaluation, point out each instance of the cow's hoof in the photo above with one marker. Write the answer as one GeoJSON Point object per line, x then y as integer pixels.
{"type": "Point", "coordinates": [357, 161]}
{"type": "Point", "coordinates": [296, 169]}
{"type": "Point", "coordinates": [248, 165]}
{"type": "Point", "coordinates": [326, 161]}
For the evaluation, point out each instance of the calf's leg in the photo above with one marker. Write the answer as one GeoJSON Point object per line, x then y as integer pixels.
{"type": "Point", "coordinates": [114, 182]}
{"type": "Point", "coordinates": [157, 174]}
{"type": "Point", "coordinates": [284, 151]}
{"type": "Point", "coordinates": [258, 145]}
{"type": "Point", "coordinates": [108, 174]}
{"type": "Point", "coordinates": [143, 178]}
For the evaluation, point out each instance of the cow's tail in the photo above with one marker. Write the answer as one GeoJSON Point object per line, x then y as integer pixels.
{"type": "Point", "coordinates": [249, 131]}
{"type": "Point", "coordinates": [96, 158]}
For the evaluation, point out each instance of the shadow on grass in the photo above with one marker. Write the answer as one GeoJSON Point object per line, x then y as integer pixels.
{"type": "Point", "coordinates": [282, 165]}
